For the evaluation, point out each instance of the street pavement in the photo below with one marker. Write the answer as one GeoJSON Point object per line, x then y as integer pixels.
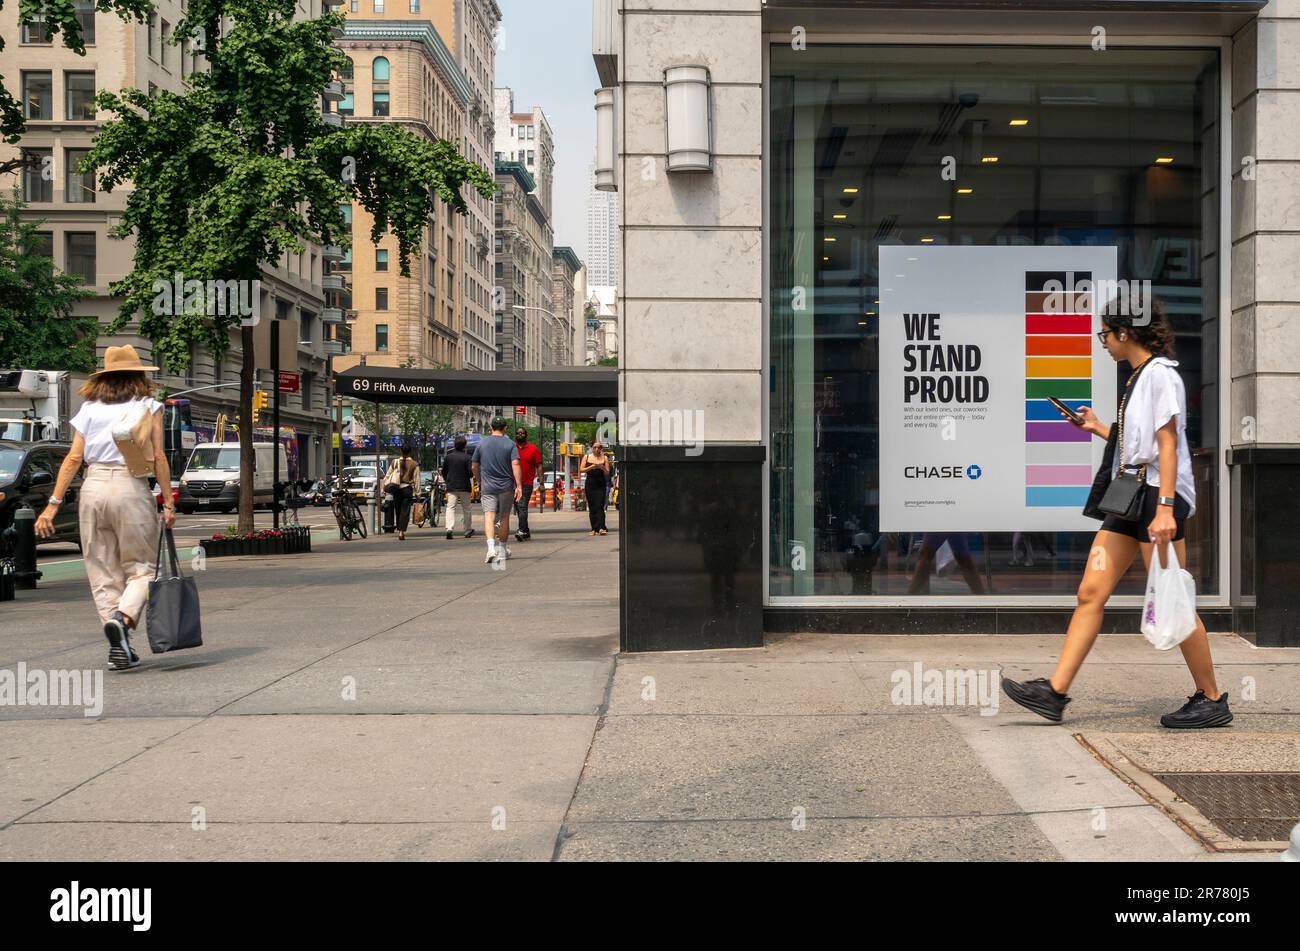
{"type": "Point", "coordinates": [401, 700]}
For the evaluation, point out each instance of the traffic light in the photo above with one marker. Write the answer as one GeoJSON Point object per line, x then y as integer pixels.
{"type": "Point", "coordinates": [259, 404]}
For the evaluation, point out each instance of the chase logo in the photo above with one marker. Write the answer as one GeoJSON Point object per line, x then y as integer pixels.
{"type": "Point", "coordinates": [974, 472]}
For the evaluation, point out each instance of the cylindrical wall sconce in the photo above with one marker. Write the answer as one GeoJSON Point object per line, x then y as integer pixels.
{"type": "Point", "coordinates": [605, 181]}
{"type": "Point", "coordinates": [689, 114]}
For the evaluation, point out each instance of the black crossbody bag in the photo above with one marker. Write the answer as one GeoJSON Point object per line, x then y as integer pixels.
{"type": "Point", "coordinates": [1123, 498]}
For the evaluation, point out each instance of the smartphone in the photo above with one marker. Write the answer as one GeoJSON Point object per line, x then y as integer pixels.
{"type": "Point", "coordinates": [1066, 411]}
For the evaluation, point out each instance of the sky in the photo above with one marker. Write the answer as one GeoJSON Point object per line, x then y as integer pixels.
{"type": "Point", "coordinates": [545, 56]}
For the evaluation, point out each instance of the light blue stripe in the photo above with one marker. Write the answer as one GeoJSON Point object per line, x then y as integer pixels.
{"type": "Point", "coordinates": [1056, 496]}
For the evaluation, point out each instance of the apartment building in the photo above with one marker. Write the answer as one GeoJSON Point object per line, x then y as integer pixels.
{"type": "Point", "coordinates": [524, 245]}
{"type": "Point", "coordinates": [526, 138]}
{"type": "Point", "coordinates": [402, 72]}
{"type": "Point", "coordinates": [57, 88]}
{"type": "Point", "coordinates": [565, 269]}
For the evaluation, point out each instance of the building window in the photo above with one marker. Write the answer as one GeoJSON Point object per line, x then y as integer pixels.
{"type": "Point", "coordinates": [381, 298]}
{"type": "Point", "coordinates": [380, 103]}
{"type": "Point", "coordinates": [381, 338]}
{"type": "Point", "coordinates": [78, 187]}
{"type": "Point", "coordinates": [347, 72]}
{"type": "Point", "coordinates": [354, 6]}
{"type": "Point", "coordinates": [379, 6]}
{"type": "Point", "coordinates": [347, 105]}
{"type": "Point", "coordinates": [38, 95]}
{"type": "Point", "coordinates": [38, 31]}
{"type": "Point", "coordinates": [79, 255]}
{"type": "Point", "coordinates": [381, 259]}
{"type": "Point", "coordinates": [346, 212]}
{"type": "Point", "coordinates": [79, 96]}
{"type": "Point", "coordinates": [415, 6]}
{"type": "Point", "coordinates": [379, 70]}
{"type": "Point", "coordinates": [837, 415]}
{"type": "Point", "coordinates": [38, 175]}
{"type": "Point", "coordinates": [44, 244]}
{"type": "Point", "coordinates": [152, 26]}
{"type": "Point", "coordinates": [165, 34]}
{"type": "Point", "coordinates": [85, 13]}
{"type": "Point", "coordinates": [532, 157]}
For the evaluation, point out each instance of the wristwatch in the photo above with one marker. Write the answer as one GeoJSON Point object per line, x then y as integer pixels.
{"type": "Point", "coordinates": [1165, 500]}
{"type": "Point", "coordinates": [53, 501]}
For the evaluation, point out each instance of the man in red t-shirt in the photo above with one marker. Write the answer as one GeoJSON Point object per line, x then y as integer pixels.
{"type": "Point", "coordinates": [530, 460]}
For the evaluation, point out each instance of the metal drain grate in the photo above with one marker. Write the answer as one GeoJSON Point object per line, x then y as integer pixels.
{"type": "Point", "coordinates": [1253, 807]}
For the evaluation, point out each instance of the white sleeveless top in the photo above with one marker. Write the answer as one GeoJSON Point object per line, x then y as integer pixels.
{"type": "Point", "coordinates": [95, 423]}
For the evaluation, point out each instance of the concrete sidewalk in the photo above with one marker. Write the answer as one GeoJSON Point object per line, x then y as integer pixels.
{"type": "Point", "coordinates": [387, 700]}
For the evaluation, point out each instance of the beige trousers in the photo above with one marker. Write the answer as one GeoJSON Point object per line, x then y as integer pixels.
{"type": "Point", "coordinates": [119, 532]}
{"type": "Point", "coordinates": [458, 502]}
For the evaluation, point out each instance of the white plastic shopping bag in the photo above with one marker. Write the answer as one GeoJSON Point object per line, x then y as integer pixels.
{"type": "Point", "coordinates": [1169, 614]}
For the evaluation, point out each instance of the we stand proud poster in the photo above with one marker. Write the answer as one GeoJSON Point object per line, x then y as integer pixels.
{"type": "Point", "coordinates": [973, 340]}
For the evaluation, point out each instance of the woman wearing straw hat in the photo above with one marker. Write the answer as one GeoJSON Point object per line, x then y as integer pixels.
{"type": "Point", "coordinates": [119, 516]}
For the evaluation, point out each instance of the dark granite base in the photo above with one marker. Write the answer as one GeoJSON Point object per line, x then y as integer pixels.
{"type": "Point", "coordinates": [1267, 519]}
{"type": "Point", "coordinates": [691, 553]}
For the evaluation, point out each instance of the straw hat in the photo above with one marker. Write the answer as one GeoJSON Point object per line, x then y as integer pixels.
{"type": "Point", "coordinates": [122, 360]}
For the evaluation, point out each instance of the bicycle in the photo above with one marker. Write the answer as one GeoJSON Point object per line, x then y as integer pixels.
{"type": "Point", "coordinates": [290, 502]}
{"type": "Point", "coordinates": [348, 514]}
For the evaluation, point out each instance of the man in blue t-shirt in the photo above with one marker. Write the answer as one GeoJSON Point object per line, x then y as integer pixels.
{"type": "Point", "coordinates": [496, 466]}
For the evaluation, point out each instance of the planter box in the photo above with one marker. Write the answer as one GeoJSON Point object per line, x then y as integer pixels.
{"type": "Point", "coordinates": [293, 542]}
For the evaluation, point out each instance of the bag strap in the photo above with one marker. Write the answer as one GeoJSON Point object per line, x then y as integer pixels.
{"type": "Point", "coordinates": [1123, 405]}
{"type": "Point", "coordinates": [173, 559]}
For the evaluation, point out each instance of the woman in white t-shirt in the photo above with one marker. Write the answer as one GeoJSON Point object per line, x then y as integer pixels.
{"type": "Point", "coordinates": [118, 512]}
{"type": "Point", "coordinates": [1154, 429]}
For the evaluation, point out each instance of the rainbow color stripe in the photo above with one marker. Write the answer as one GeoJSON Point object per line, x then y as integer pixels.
{"type": "Point", "coordinates": [1058, 362]}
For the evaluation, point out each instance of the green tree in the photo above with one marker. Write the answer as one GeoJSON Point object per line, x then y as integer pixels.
{"type": "Point", "coordinates": [59, 17]}
{"type": "Point", "coordinates": [37, 329]}
{"type": "Point", "coordinates": [241, 169]}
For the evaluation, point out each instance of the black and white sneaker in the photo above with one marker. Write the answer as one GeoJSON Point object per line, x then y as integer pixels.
{"type": "Point", "coordinates": [449, 535]}
{"type": "Point", "coordinates": [121, 656]}
{"type": "Point", "coordinates": [1038, 696]}
{"type": "Point", "coordinates": [1198, 713]}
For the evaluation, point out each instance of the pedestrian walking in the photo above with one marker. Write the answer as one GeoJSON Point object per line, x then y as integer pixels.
{"type": "Point", "coordinates": [496, 466]}
{"type": "Point", "coordinates": [1149, 436]}
{"type": "Point", "coordinates": [400, 484]}
{"type": "Point", "coordinates": [596, 466]}
{"type": "Point", "coordinates": [530, 460]}
{"type": "Point", "coordinates": [458, 473]}
{"type": "Point", "coordinates": [118, 436]}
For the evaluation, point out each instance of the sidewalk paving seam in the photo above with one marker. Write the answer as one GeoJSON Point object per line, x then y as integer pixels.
{"type": "Point", "coordinates": [601, 714]}
{"type": "Point", "coordinates": [852, 818]}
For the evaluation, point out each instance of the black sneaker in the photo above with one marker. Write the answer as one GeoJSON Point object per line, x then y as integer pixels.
{"type": "Point", "coordinates": [1198, 713]}
{"type": "Point", "coordinates": [121, 656]}
{"type": "Point", "coordinates": [449, 536]}
{"type": "Point", "coordinates": [470, 533]}
{"type": "Point", "coordinates": [1038, 696]}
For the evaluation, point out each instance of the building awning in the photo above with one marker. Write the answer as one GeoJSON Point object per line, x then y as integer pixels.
{"type": "Point", "coordinates": [567, 390]}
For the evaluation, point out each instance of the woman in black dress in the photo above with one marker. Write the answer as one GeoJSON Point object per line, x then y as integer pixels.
{"type": "Point", "coordinates": [595, 465]}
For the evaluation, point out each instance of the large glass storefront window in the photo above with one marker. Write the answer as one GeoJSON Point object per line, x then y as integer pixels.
{"type": "Point", "coordinates": [909, 146]}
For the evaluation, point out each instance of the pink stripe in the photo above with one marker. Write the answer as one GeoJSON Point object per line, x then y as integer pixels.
{"type": "Point", "coordinates": [1058, 475]}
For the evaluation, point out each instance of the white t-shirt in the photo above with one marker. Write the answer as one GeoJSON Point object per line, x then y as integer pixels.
{"type": "Point", "coordinates": [1158, 396]}
{"type": "Point", "coordinates": [95, 423]}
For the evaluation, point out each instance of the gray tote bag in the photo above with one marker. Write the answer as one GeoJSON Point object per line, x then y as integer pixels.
{"type": "Point", "coordinates": [173, 604]}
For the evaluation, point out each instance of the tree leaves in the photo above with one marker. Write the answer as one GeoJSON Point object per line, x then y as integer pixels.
{"type": "Point", "coordinates": [37, 329]}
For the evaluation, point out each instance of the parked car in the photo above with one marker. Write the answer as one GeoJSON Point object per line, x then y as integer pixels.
{"type": "Point", "coordinates": [27, 474]}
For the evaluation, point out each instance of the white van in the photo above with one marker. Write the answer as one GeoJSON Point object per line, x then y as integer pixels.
{"type": "Point", "coordinates": [210, 482]}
